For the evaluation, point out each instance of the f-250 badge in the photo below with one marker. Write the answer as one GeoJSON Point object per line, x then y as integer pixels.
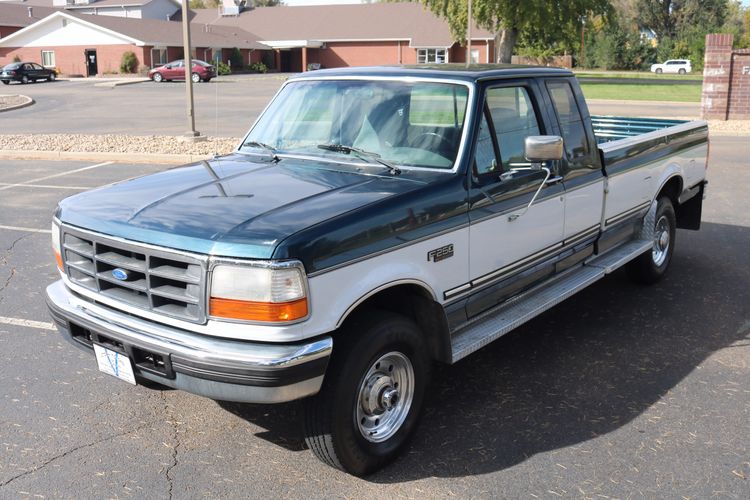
{"type": "Point", "coordinates": [441, 253]}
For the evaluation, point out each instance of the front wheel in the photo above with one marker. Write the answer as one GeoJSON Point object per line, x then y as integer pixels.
{"type": "Point", "coordinates": [659, 71]}
{"type": "Point", "coordinates": [157, 78]}
{"type": "Point", "coordinates": [195, 77]}
{"type": "Point", "coordinates": [52, 77]}
{"type": "Point", "coordinates": [652, 266]}
{"type": "Point", "coordinates": [372, 394]}
{"type": "Point", "coordinates": [682, 71]}
{"type": "Point", "coordinates": [6, 82]}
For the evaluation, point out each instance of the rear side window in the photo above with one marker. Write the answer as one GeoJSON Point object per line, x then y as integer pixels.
{"type": "Point", "coordinates": [571, 124]}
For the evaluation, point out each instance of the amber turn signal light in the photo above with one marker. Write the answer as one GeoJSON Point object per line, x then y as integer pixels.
{"type": "Point", "coordinates": [268, 312]}
{"type": "Point", "coordinates": [58, 259]}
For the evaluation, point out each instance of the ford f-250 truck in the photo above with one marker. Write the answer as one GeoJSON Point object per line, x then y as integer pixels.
{"type": "Point", "coordinates": [373, 221]}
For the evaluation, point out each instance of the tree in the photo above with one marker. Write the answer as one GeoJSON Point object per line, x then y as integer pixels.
{"type": "Point", "coordinates": [509, 19]}
{"type": "Point", "coordinates": [668, 18]}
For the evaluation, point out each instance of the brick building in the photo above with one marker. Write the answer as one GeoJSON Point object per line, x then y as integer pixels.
{"type": "Point", "coordinates": [726, 80]}
{"type": "Point", "coordinates": [82, 44]}
{"type": "Point", "coordinates": [288, 39]}
{"type": "Point", "coordinates": [352, 35]}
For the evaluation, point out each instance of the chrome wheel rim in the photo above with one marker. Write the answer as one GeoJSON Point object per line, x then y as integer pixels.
{"type": "Point", "coordinates": [661, 241]}
{"type": "Point", "coordinates": [385, 397]}
{"type": "Point", "coordinates": [196, 78]}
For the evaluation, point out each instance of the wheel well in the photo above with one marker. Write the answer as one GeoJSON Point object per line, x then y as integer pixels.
{"type": "Point", "coordinates": [672, 189]}
{"type": "Point", "coordinates": [416, 303]}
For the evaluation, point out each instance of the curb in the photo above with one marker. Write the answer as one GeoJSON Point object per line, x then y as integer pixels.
{"type": "Point", "coordinates": [29, 102]}
{"type": "Point", "coordinates": [162, 158]}
{"type": "Point", "coordinates": [119, 83]}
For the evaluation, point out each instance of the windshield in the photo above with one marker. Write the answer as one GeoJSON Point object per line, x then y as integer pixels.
{"type": "Point", "coordinates": [406, 123]}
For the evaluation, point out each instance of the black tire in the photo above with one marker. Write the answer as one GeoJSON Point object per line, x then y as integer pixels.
{"type": "Point", "coordinates": [6, 82]}
{"type": "Point", "coordinates": [52, 77]}
{"type": "Point", "coordinates": [651, 267]}
{"type": "Point", "coordinates": [659, 71]}
{"type": "Point", "coordinates": [157, 78]}
{"type": "Point", "coordinates": [332, 424]}
{"type": "Point", "coordinates": [195, 77]}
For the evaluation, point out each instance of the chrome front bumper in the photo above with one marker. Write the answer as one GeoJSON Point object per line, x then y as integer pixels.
{"type": "Point", "coordinates": [226, 370]}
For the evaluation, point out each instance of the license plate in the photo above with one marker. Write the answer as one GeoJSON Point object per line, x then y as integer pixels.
{"type": "Point", "coordinates": [114, 363]}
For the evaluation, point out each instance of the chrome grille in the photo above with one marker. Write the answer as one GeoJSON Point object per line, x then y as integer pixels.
{"type": "Point", "coordinates": [157, 279]}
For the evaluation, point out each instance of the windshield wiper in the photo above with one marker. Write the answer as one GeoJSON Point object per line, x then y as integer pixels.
{"type": "Point", "coordinates": [362, 154]}
{"type": "Point", "coordinates": [262, 145]}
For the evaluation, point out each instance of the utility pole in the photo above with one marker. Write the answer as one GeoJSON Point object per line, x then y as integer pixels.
{"type": "Point", "coordinates": [583, 42]}
{"type": "Point", "coordinates": [468, 38]}
{"type": "Point", "coordinates": [191, 134]}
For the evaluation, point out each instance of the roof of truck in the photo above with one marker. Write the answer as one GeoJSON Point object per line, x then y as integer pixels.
{"type": "Point", "coordinates": [474, 72]}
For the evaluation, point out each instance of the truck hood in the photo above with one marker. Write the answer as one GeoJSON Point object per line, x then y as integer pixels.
{"type": "Point", "coordinates": [237, 206]}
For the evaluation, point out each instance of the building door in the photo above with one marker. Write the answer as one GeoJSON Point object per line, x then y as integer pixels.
{"type": "Point", "coordinates": [91, 66]}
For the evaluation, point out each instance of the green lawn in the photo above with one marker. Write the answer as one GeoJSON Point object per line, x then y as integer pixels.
{"type": "Point", "coordinates": [642, 92]}
{"type": "Point", "coordinates": [645, 75]}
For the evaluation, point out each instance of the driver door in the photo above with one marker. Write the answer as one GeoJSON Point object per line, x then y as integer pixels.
{"type": "Point", "coordinates": [510, 245]}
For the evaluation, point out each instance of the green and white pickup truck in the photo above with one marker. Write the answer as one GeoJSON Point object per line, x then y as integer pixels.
{"type": "Point", "coordinates": [373, 222]}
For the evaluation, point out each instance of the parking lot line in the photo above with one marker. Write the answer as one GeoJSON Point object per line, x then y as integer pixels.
{"type": "Point", "coordinates": [39, 325]}
{"type": "Point", "coordinates": [53, 176]}
{"type": "Point", "coordinates": [26, 229]}
{"type": "Point", "coordinates": [45, 186]}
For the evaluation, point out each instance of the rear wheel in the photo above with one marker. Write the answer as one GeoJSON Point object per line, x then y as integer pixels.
{"type": "Point", "coordinates": [682, 71]}
{"type": "Point", "coordinates": [195, 77]}
{"type": "Point", "coordinates": [25, 79]}
{"type": "Point", "coordinates": [52, 77]}
{"type": "Point", "coordinates": [652, 266]}
{"type": "Point", "coordinates": [659, 71]}
{"type": "Point", "coordinates": [372, 394]}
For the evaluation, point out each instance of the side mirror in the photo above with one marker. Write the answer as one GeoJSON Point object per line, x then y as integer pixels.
{"type": "Point", "coordinates": [541, 148]}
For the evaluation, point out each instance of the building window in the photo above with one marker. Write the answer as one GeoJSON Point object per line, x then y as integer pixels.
{"type": "Point", "coordinates": [158, 57]}
{"type": "Point", "coordinates": [48, 58]}
{"type": "Point", "coordinates": [474, 56]}
{"type": "Point", "coordinates": [436, 56]}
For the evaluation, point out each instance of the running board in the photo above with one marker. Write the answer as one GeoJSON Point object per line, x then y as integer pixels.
{"type": "Point", "coordinates": [496, 322]}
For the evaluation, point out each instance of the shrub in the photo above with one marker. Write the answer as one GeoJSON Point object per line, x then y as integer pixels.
{"type": "Point", "coordinates": [223, 69]}
{"type": "Point", "coordinates": [128, 63]}
{"type": "Point", "coordinates": [258, 67]}
{"type": "Point", "coordinates": [16, 58]}
{"type": "Point", "coordinates": [235, 58]}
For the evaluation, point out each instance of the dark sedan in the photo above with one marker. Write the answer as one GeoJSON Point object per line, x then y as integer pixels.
{"type": "Point", "coordinates": [201, 71]}
{"type": "Point", "coordinates": [26, 72]}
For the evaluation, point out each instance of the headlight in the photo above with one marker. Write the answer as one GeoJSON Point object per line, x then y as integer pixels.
{"type": "Point", "coordinates": [56, 249]}
{"type": "Point", "coordinates": [273, 293]}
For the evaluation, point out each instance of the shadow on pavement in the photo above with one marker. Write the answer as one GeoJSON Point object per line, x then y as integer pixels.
{"type": "Point", "coordinates": [583, 369]}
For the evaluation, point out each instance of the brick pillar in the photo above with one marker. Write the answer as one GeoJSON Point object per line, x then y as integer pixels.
{"type": "Point", "coordinates": [304, 58]}
{"type": "Point", "coordinates": [716, 76]}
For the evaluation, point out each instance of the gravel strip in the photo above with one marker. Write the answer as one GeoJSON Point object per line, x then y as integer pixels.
{"type": "Point", "coordinates": [729, 127]}
{"type": "Point", "coordinates": [83, 143]}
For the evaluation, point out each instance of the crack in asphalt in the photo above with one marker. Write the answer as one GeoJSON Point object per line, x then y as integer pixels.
{"type": "Point", "coordinates": [175, 442]}
{"type": "Point", "coordinates": [4, 261]}
{"type": "Point", "coordinates": [72, 450]}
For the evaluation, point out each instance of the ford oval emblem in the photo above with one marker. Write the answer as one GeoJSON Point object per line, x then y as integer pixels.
{"type": "Point", "coordinates": [120, 274]}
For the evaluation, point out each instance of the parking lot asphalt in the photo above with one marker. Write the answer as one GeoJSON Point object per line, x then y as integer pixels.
{"type": "Point", "coordinates": [223, 107]}
{"type": "Point", "coordinates": [621, 391]}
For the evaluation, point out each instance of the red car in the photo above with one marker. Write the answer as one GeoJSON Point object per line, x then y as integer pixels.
{"type": "Point", "coordinates": [175, 70]}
